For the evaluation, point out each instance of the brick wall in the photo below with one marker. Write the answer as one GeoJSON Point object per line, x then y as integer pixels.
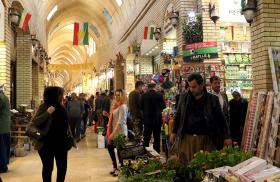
{"type": "Point", "coordinates": [265, 34]}
{"type": "Point", "coordinates": [24, 69]}
{"type": "Point", "coordinates": [41, 84]}
{"type": "Point", "coordinates": [35, 83]}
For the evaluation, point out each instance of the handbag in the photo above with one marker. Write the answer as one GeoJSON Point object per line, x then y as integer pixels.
{"type": "Point", "coordinates": [38, 132]}
{"type": "Point", "coordinates": [132, 151]}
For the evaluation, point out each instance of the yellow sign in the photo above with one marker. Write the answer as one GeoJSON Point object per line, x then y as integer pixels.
{"type": "Point", "coordinates": [70, 66]}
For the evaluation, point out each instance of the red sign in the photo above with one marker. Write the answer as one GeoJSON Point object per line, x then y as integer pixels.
{"type": "Point", "coordinates": [199, 45]}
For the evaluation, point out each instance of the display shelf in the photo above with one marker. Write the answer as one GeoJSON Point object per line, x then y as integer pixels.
{"type": "Point", "coordinates": [238, 79]}
{"type": "Point", "coordinates": [237, 64]}
{"type": "Point", "coordinates": [236, 52]}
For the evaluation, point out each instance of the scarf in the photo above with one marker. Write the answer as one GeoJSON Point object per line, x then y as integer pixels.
{"type": "Point", "coordinates": [110, 124]}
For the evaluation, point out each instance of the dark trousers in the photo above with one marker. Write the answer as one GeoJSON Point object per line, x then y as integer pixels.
{"type": "Point", "coordinates": [47, 155]}
{"type": "Point", "coordinates": [156, 130]}
{"type": "Point", "coordinates": [5, 142]}
{"type": "Point", "coordinates": [85, 119]}
{"type": "Point", "coordinates": [111, 151]}
{"type": "Point", "coordinates": [75, 125]}
{"type": "Point", "coordinates": [137, 127]}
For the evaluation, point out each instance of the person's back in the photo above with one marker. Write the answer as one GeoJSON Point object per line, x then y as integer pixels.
{"type": "Point", "coordinates": [152, 104]}
{"type": "Point", "coordinates": [98, 102]}
{"type": "Point", "coordinates": [75, 108]}
{"type": "Point", "coordinates": [134, 103]}
{"type": "Point", "coordinates": [5, 120]}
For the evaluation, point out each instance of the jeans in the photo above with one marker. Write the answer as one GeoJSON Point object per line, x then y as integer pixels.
{"type": "Point", "coordinates": [84, 128]}
{"type": "Point", "coordinates": [47, 155]}
{"type": "Point", "coordinates": [111, 151]}
{"type": "Point", "coordinates": [5, 142]}
{"type": "Point", "coordinates": [156, 130]}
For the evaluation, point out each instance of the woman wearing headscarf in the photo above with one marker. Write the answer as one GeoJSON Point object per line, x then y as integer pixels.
{"type": "Point", "coordinates": [117, 125]}
{"type": "Point", "coordinates": [54, 144]}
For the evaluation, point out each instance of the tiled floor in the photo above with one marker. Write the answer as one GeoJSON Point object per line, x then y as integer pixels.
{"type": "Point", "coordinates": [87, 164]}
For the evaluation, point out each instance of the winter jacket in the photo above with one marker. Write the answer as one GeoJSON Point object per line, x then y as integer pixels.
{"type": "Point", "coordinates": [5, 115]}
{"type": "Point", "coordinates": [134, 104]}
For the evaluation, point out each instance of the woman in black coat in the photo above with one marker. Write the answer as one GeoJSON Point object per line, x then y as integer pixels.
{"type": "Point", "coordinates": [54, 144]}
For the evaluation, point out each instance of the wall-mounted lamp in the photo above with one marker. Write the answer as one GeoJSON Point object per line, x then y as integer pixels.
{"type": "Point", "coordinates": [34, 41]}
{"type": "Point", "coordinates": [174, 18]}
{"type": "Point", "coordinates": [42, 53]}
{"type": "Point", "coordinates": [249, 10]}
{"type": "Point", "coordinates": [157, 33]}
{"type": "Point", "coordinates": [213, 13]}
{"type": "Point", "coordinates": [14, 16]}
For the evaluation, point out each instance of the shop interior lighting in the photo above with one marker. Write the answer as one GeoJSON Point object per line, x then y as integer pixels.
{"type": "Point", "coordinates": [147, 54]}
{"type": "Point", "coordinates": [156, 47]}
{"type": "Point", "coordinates": [119, 2]}
{"type": "Point", "coordinates": [191, 14]}
{"type": "Point", "coordinates": [52, 12]}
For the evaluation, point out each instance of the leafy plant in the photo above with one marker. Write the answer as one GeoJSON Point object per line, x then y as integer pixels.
{"type": "Point", "coordinates": [119, 142]}
{"type": "Point", "coordinates": [192, 31]}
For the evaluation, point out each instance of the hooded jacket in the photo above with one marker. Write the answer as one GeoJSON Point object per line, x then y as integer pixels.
{"type": "Point", "coordinates": [57, 134]}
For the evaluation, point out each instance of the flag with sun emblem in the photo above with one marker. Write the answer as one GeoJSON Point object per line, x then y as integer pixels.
{"type": "Point", "coordinates": [80, 34]}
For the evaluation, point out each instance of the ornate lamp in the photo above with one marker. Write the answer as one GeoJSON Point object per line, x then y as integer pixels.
{"type": "Point", "coordinates": [174, 18]}
{"type": "Point", "coordinates": [157, 33]}
{"type": "Point", "coordinates": [249, 10]}
{"type": "Point", "coordinates": [34, 41]}
{"type": "Point", "coordinates": [14, 16]}
{"type": "Point", "coordinates": [213, 13]}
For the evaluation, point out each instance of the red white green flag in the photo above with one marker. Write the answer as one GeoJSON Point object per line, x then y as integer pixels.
{"type": "Point", "coordinates": [149, 33]}
{"type": "Point", "coordinates": [24, 19]}
{"type": "Point", "coordinates": [80, 34]}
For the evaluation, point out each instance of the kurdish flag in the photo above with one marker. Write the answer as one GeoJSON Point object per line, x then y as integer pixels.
{"type": "Point", "coordinates": [80, 34]}
{"type": "Point", "coordinates": [24, 19]}
{"type": "Point", "coordinates": [149, 32]}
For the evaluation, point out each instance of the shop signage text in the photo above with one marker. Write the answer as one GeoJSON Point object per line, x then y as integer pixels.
{"type": "Point", "coordinates": [200, 51]}
{"type": "Point", "coordinates": [230, 11]}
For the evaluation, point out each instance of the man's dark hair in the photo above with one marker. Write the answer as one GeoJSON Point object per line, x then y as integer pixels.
{"type": "Point", "coordinates": [151, 85]}
{"type": "Point", "coordinates": [214, 78]}
{"type": "Point", "coordinates": [138, 83]}
{"type": "Point", "coordinates": [197, 77]}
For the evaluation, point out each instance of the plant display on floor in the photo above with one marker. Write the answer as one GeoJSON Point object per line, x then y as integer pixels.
{"type": "Point", "coordinates": [119, 142]}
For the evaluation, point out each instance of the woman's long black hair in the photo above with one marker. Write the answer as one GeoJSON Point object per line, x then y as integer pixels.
{"type": "Point", "coordinates": [53, 95]}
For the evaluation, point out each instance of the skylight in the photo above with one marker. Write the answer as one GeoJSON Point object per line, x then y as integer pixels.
{"type": "Point", "coordinates": [52, 12]}
{"type": "Point", "coordinates": [119, 2]}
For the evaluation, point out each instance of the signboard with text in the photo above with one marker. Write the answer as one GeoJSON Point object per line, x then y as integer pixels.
{"type": "Point", "coordinates": [230, 11]}
{"type": "Point", "coordinates": [199, 51]}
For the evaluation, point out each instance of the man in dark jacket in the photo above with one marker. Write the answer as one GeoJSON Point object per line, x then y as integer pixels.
{"type": "Point", "coordinates": [238, 110]}
{"type": "Point", "coordinates": [134, 108]}
{"type": "Point", "coordinates": [5, 131]}
{"type": "Point", "coordinates": [152, 104]}
{"type": "Point", "coordinates": [199, 123]}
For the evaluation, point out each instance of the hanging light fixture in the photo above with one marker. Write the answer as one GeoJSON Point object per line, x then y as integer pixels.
{"type": "Point", "coordinates": [157, 33]}
{"type": "Point", "coordinates": [34, 41]}
{"type": "Point", "coordinates": [249, 10]}
{"type": "Point", "coordinates": [174, 18]}
{"type": "Point", "coordinates": [213, 13]}
{"type": "Point", "coordinates": [14, 16]}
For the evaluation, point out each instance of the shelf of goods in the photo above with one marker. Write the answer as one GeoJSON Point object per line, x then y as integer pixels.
{"type": "Point", "coordinates": [206, 70]}
{"type": "Point", "coordinates": [238, 73]}
{"type": "Point", "coordinates": [145, 78]}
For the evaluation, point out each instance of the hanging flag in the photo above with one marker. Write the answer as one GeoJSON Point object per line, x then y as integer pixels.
{"type": "Point", "coordinates": [94, 29]}
{"type": "Point", "coordinates": [80, 34]}
{"type": "Point", "coordinates": [149, 33]}
{"type": "Point", "coordinates": [24, 19]}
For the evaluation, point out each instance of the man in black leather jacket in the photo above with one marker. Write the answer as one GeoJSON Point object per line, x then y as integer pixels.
{"type": "Point", "coordinates": [199, 123]}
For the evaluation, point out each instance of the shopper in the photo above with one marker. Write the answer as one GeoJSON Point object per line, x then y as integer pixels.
{"type": "Point", "coordinates": [152, 104]}
{"type": "Point", "coordinates": [5, 131]}
{"type": "Point", "coordinates": [98, 109]}
{"type": "Point", "coordinates": [238, 110]}
{"type": "Point", "coordinates": [117, 125]}
{"type": "Point", "coordinates": [182, 90]}
{"type": "Point", "coordinates": [199, 123]}
{"type": "Point", "coordinates": [223, 99]}
{"type": "Point", "coordinates": [91, 111]}
{"type": "Point", "coordinates": [75, 110]}
{"type": "Point", "coordinates": [85, 114]}
{"type": "Point", "coordinates": [54, 145]}
{"type": "Point", "coordinates": [106, 109]}
{"type": "Point", "coordinates": [135, 110]}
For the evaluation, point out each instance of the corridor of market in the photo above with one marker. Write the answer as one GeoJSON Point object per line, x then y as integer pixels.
{"type": "Point", "coordinates": [139, 90]}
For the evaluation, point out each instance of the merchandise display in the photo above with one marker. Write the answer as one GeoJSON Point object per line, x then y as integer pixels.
{"type": "Point", "coordinates": [206, 70]}
{"type": "Point", "coordinates": [261, 125]}
{"type": "Point", "coordinates": [238, 73]}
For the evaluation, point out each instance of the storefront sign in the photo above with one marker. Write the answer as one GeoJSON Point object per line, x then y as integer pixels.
{"type": "Point", "coordinates": [200, 51]}
{"type": "Point", "coordinates": [230, 11]}
{"type": "Point", "coordinates": [2, 21]}
{"type": "Point", "coordinates": [168, 28]}
{"type": "Point", "coordinates": [70, 66]}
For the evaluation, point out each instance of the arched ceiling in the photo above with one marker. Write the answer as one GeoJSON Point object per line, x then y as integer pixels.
{"type": "Point", "coordinates": [59, 31]}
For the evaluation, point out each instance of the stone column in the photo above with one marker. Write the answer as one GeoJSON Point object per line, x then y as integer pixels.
{"type": "Point", "coordinates": [24, 69]}
{"type": "Point", "coordinates": [41, 84]}
{"type": "Point", "coordinates": [35, 83]}
{"type": "Point", "coordinates": [265, 33]}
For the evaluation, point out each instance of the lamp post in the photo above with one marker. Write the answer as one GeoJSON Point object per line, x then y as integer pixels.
{"type": "Point", "coordinates": [249, 10]}
{"type": "Point", "coordinates": [174, 18]}
{"type": "Point", "coordinates": [14, 16]}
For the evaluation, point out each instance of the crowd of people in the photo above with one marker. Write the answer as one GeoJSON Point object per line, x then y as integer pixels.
{"type": "Point", "coordinates": [204, 120]}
